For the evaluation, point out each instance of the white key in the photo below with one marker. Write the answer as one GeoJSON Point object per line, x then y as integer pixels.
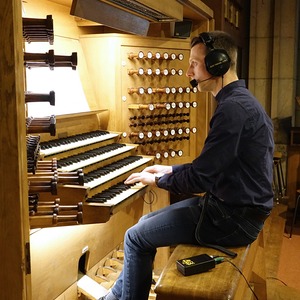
{"type": "Point", "coordinates": [73, 145]}
{"type": "Point", "coordinates": [98, 181]}
{"type": "Point", "coordinates": [95, 159]}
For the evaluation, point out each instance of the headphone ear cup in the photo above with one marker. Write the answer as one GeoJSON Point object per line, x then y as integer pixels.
{"type": "Point", "coordinates": [217, 62]}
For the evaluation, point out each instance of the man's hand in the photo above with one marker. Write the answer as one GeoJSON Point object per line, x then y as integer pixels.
{"type": "Point", "coordinates": [147, 176]}
{"type": "Point", "coordinates": [143, 177]}
{"type": "Point", "coordinates": [158, 169]}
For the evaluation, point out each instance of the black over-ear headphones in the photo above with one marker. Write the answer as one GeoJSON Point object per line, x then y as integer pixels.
{"type": "Point", "coordinates": [217, 61]}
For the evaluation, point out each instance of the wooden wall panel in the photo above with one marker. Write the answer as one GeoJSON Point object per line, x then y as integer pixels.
{"type": "Point", "coordinates": [14, 230]}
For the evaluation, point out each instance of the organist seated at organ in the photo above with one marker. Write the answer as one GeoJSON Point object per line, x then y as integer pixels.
{"type": "Point", "coordinates": [234, 170]}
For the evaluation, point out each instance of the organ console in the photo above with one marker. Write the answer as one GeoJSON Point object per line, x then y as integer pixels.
{"type": "Point", "coordinates": [62, 183]}
{"type": "Point", "coordinates": [105, 163]}
{"type": "Point", "coordinates": [94, 160]}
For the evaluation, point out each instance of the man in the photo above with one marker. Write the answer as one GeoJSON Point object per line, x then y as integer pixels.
{"type": "Point", "coordinates": [234, 169]}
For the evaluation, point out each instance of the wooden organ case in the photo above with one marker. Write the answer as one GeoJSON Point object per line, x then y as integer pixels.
{"type": "Point", "coordinates": [75, 176]}
{"type": "Point", "coordinates": [152, 113]}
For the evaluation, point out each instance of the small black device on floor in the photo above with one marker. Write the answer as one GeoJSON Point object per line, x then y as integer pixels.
{"type": "Point", "coordinates": [195, 264]}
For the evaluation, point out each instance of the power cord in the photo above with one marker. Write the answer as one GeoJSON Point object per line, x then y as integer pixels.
{"type": "Point", "coordinates": [222, 259]}
{"type": "Point", "coordinates": [152, 197]}
{"type": "Point", "coordinates": [230, 253]}
{"type": "Point", "coordinates": [237, 268]}
{"type": "Point", "coordinates": [275, 278]}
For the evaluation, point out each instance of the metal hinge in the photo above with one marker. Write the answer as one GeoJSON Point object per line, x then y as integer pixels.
{"type": "Point", "coordinates": [27, 259]}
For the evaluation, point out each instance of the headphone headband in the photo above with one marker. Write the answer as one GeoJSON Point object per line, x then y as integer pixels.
{"type": "Point", "coordinates": [207, 40]}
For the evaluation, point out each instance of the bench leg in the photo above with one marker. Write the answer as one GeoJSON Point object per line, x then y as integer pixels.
{"type": "Point", "coordinates": [258, 278]}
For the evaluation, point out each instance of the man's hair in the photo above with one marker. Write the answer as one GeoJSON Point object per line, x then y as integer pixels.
{"type": "Point", "coordinates": [221, 40]}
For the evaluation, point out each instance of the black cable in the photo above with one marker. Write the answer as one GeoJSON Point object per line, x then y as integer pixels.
{"type": "Point", "coordinates": [250, 287]}
{"type": "Point", "coordinates": [152, 197]}
{"type": "Point", "coordinates": [275, 278]}
{"type": "Point", "coordinates": [217, 247]}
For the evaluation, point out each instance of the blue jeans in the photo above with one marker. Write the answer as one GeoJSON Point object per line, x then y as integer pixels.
{"type": "Point", "coordinates": [172, 225]}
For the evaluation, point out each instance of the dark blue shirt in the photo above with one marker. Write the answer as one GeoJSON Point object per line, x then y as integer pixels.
{"type": "Point", "coordinates": [236, 162]}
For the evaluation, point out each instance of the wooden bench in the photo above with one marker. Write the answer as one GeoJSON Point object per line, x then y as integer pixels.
{"type": "Point", "coordinates": [222, 282]}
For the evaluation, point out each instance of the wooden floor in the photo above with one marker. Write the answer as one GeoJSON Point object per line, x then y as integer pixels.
{"type": "Point", "coordinates": [289, 265]}
{"type": "Point", "coordinates": [289, 262]}
{"type": "Point", "coordinates": [275, 228]}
